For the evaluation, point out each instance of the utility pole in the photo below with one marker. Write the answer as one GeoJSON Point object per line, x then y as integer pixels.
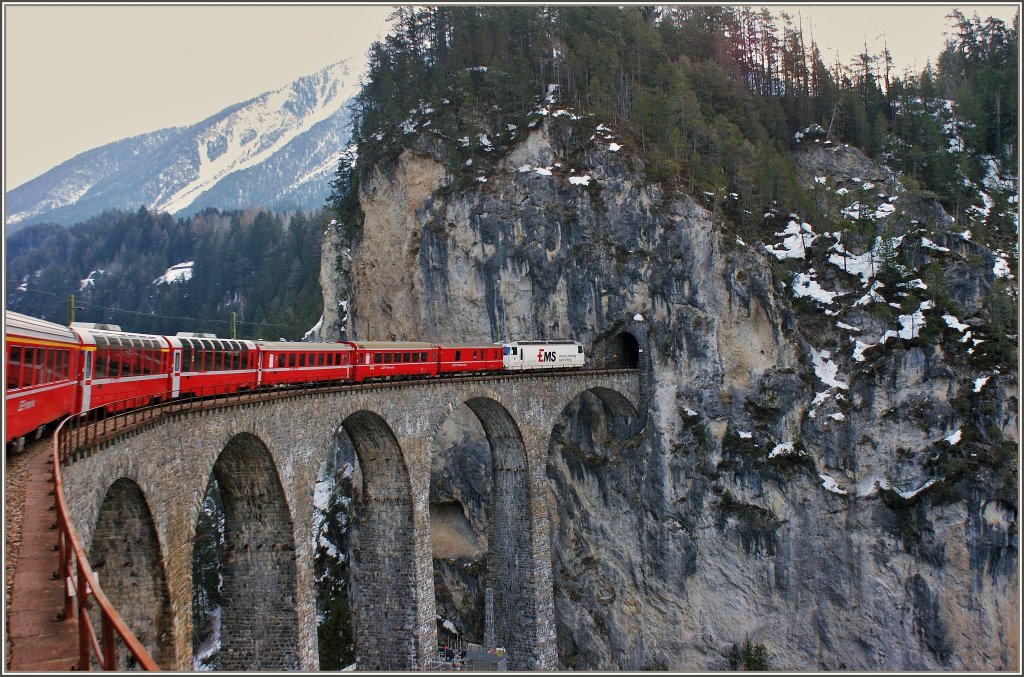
{"type": "Point", "coordinates": [233, 324]}
{"type": "Point", "coordinates": [71, 309]}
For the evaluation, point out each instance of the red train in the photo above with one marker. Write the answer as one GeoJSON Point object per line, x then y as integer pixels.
{"type": "Point", "coordinates": [53, 371]}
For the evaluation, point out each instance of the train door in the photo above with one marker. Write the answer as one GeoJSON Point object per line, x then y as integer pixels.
{"type": "Point", "coordinates": [86, 379]}
{"type": "Point", "coordinates": [176, 372]}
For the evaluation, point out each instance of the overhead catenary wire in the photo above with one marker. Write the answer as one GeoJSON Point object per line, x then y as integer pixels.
{"type": "Point", "coordinates": [163, 317]}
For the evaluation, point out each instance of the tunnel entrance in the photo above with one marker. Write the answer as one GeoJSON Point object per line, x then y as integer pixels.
{"type": "Point", "coordinates": [627, 351]}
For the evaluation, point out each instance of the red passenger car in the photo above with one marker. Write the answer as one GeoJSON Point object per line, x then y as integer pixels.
{"type": "Point", "coordinates": [42, 375]}
{"type": "Point", "coordinates": [205, 365]}
{"type": "Point", "coordinates": [299, 362]}
{"type": "Point", "coordinates": [469, 358]}
{"type": "Point", "coordinates": [121, 370]}
{"type": "Point", "coordinates": [386, 360]}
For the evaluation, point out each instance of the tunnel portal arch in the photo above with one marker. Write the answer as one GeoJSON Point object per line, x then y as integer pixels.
{"type": "Point", "coordinates": [627, 349]}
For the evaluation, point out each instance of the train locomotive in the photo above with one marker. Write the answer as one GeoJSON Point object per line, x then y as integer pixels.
{"type": "Point", "coordinates": [53, 371]}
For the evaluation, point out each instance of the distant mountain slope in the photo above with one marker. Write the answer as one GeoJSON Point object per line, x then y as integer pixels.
{"type": "Point", "coordinates": [277, 150]}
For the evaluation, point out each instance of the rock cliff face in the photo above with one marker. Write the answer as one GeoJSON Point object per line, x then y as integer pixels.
{"type": "Point", "coordinates": [816, 473]}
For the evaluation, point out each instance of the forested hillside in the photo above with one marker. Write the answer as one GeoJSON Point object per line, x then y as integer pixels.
{"type": "Point", "coordinates": [131, 269]}
{"type": "Point", "coordinates": [713, 98]}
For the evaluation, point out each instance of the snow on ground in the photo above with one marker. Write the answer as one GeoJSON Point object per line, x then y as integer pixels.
{"type": "Point", "coordinates": [804, 285]}
{"type": "Point", "coordinates": [1001, 267]}
{"type": "Point", "coordinates": [89, 281]}
{"type": "Point", "coordinates": [859, 348]}
{"type": "Point", "coordinates": [872, 295]}
{"type": "Point", "coordinates": [827, 370]}
{"type": "Point", "coordinates": [915, 492]}
{"type": "Point", "coordinates": [180, 272]}
{"type": "Point", "coordinates": [910, 325]}
{"type": "Point", "coordinates": [928, 244]}
{"type": "Point", "coordinates": [314, 329]}
{"type": "Point", "coordinates": [797, 237]}
{"type": "Point", "coordinates": [579, 180]}
{"type": "Point", "coordinates": [953, 322]}
{"type": "Point", "coordinates": [830, 484]}
{"type": "Point", "coordinates": [867, 264]}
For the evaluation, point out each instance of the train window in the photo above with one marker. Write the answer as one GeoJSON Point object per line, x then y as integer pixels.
{"type": "Point", "coordinates": [14, 368]}
{"type": "Point", "coordinates": [505, 350]}
{"type": "Point", "coordinates": [376, 358]}
{"type": "Point", "coordinates": [515, 350]}
{"type": "Point", "coordinates": [458, 354]}
{"type": "Point", "coordinates": [302, 360]}
{"type": "Point", "coordinates": [43, 365]}
{"type": "Point", "coordinates": [387, 358]}
{"type": "Point", "coordinates": [28, 366]}
{"type": "Point", "coordinates": [579, 349]}
{"type": "Point", "coordinates": [88, 364]}
{"type": "Point", "coordinates": [405, 357]}
{"type": "Point", "coordinates": [186, 355]}
{"type": "Point", "coordinates": [291, 359]}
{"type": "Point", "coordinates": [415, 357]}
{"type": "Point", "coordinates": [101, 362]}
{"type": "Point", "coordinates": [51, 365]}
{"type": "Point", "coordinates": [204, 357]}
{"type": "Point", "coordinates": [42, 370]}
{"type": "Point", "coordinates": [474, 354]}
{"type": "Point", "coordinates": [319, 359]}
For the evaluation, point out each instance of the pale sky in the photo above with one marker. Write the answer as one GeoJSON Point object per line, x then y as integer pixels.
{"type": "Point", "coordinates": [78, 76]}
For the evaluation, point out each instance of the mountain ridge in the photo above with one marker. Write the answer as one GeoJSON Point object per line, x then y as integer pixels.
{"type": "Point", "coordinates": [276, 150]}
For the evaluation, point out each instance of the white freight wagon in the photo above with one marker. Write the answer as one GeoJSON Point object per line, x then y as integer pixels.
{"type": "Point", "coordinates": [522, 355]}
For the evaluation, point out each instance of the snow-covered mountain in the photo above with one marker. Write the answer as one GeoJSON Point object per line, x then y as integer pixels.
{"type": "Point", "coordinates": [278, 150]}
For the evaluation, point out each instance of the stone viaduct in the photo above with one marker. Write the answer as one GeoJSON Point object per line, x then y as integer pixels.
{"type": "Point", "coordinates": [136, 501]}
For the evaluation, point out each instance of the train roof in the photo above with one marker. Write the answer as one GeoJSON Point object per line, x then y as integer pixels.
{"type": "Point", "coordinates": [544, 343]}
{"type": "Point", "coordinates": [393, 345]}
{"type": "Point", "coordinates": [16, 324]}
{"type": "Point", "coordinates": [470, 345]}
{"type": "Point", "coordinates": [299, 346]}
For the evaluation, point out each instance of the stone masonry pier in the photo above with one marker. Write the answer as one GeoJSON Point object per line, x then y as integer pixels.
{"type": "Point", "coordinates": [137, 500]}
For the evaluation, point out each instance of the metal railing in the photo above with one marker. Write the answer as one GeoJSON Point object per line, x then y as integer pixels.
{"type": "Point", "coordinates": [82, 590]}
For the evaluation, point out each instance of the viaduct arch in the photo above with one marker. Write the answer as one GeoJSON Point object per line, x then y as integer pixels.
{"type": "Point", "coordinates": [266, 456]}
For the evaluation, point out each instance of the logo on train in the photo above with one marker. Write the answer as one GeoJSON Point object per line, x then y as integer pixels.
{"type": "Point", "coordinates": [547, 356]}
